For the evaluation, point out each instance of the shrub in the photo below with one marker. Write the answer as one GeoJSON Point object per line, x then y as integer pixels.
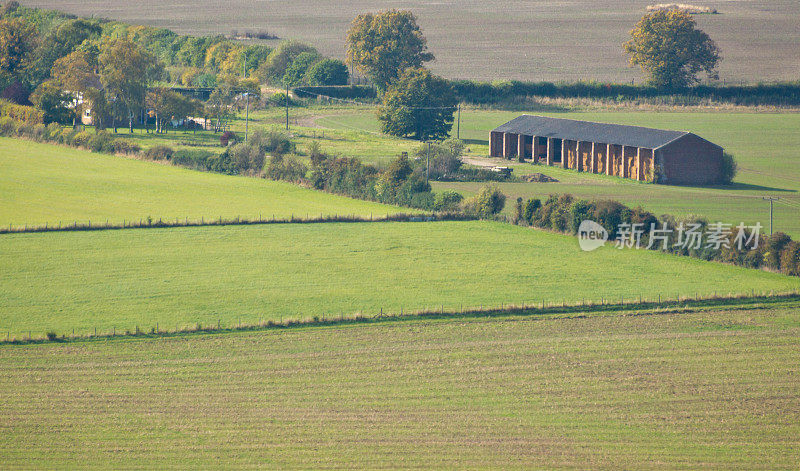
{"type": "Point", "coordinates": [327, 72]}
{"type": "Point", "coordinates": [422, 200]}
{"type": "Point", "coordinates": [531, 206]}
{"type": "Point", "coordinates": [773, 249]}
{"type": "Point", "coordinates": [125, 146]}
{"type": "Point", "coordinates": [52, 336]}
{"type": "Point", "coordinates": [53, 131]}
{"type": "Point", "coordinates": [226, 138]}
{"type": "Point", "coordinates": [39, 133]}
{"type": "Point", "coordinates": [196, 159]}
{"type": "Point", "coordinates": [6, 126]}
{"type": "Point", "coordinates": [790, 258]}
{"type": "Point", "coordinates": [486, 203]}
{"type": "Point", "coordinates": [729, 169]}
{"type": "Point", "coordinates": [159, 153]}
{"type": "Point", "coordinates": [448, 200]}
{"type": "Point", "coordinates": [81, 139]}
{"type": "Point", "coordinates": [287, 169]}
{"type": "Point", "coordinates": [102, 142]}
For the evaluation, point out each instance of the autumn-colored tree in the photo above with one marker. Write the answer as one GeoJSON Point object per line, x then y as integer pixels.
{"type": "Point", "coordinates": [125, 71]}
{"type": "Point", "coordinates": [17, 43]}
{"type": "Point", "coordinates": [76, 73]}
{"type": "Point", "coordinates": [383, 45]}
{"type": "Point", "coordinates": [671, 50]}
{"type": "Point", "coordinates": [281, 58]}
{"type": "Point", "coordinates": [418, 104]}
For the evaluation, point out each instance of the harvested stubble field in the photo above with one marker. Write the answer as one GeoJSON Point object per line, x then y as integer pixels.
{"type": "Point", "coordinates": [715, 389]}
{"type": "Point", "coordinates": [43, 183]}
{"type": "Point", "coordinates": [172, 278]}
{"type": "Point", "coordinates": [516, 39]}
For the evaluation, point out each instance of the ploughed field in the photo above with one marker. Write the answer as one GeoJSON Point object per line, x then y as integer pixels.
{"type": "Point", "coordinates": [43, 183]}
{"type": "Point", "coordinates": [516, 39]}
{"type": "Point", "coordinates": [118, 280]}
{"type": "Point", "coordinates": [764, 145]}
{"type": "Point", "coordinates": [715, 389]}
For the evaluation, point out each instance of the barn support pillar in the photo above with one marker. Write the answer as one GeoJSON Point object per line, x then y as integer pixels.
{"type": "Point", "coordinates": [608, 159]}
{"type": "Point", "coordinates": [550, 151]}
{"type": "Point", "coordinates": [639, 172]}
{"type": "Point", "coordinates": [521, 147]}
{"type": "Point", "coordinates": [509, 145]}
{"type": "Point", "coordinates": [592, 165]}
{"type": "Point", "coordinates": [578, 157]}
{"type": "Point", "coordinates": [564, 156]}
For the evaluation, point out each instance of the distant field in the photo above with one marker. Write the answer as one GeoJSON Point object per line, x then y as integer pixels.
{"type": "Point", "coordinates": [41, 183]}
{"type": "Point", "coordinates": [714, 389]}
{"type": "Point", "coordinates": [764, 145]}
{"type": "Point", "coordinates": [179, 277]}
{"type": "Point", "coordinates": [517, 39]}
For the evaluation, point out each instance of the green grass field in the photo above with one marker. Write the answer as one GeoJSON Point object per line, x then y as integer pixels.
{"type": "Point", "coordinates": [764, 146]}
{"type": "Point", "coordinates": [714, 389]}
{"type": "Point", "coordinates": [41, 183]}
{"type": "Point", "coordinates": [183, 276]}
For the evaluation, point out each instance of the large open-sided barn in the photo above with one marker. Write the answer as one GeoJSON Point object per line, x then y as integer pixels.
{"type": "Point", "coordinates": [677, 157]}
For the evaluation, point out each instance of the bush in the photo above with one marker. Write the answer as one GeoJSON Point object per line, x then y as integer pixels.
{"type": "Point", "coordinates": [729, 169]}
{"type": "Point", "coordinates": [790, 258]}
{"type": "Point", "coordinates": [81, 139]}
{"type": "Point", "coordinates": [773, 249]}
{"type": "Point", "coordinates": [274, 141]}
{"type": "Point", "coordinates": [226, 138]}
{"type": "Point", "coordinates": [159, 153]}
{"type": "Point", "coordinates": [52, 336]}
{"type": "Point", "coordinates": [287, 169]}
{"type": "Point", "coordinates": [125, 146]}
{"type": "Point", "coordinates": [486, 203]}
{"type": "Point", "coordinates": [196, 159]}
{"type": "Point", "coordinates": [448, 200]}
{"type": "Point", "coordinates": [102, 142]}
{"type": "Point", "coordinates": [327, 72]}
{"type": "Point", "coordinates": [7, 126]}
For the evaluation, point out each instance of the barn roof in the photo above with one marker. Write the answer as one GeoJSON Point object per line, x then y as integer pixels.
{"type": "Point", "coordinates": [559, 128]}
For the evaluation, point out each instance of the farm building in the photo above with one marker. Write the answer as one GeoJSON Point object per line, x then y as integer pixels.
{"type": "Point", "coordinates": [676, 157]}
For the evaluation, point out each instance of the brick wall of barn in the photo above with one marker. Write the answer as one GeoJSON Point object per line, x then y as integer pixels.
{"type": "Point", "coordinates": [690, 160]}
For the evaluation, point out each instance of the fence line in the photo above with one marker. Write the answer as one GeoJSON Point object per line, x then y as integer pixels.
{"type": "Point", "coordinates": [237, 221]}
{"type": "Point", "coordinates": [525, 308]}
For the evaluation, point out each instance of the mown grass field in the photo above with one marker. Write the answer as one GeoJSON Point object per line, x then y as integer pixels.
{"type": "Point", "coordinates": [41, 183]}
{"type": "Point", "coordinates": [715, 389]}
{"type": "Point", "coordinates": [763, 143]}
{"type": "Point", "coordinates": [118, 280]}
{"type": "Point", "coordinates": [516, 39]}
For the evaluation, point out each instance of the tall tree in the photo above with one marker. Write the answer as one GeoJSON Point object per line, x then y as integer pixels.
{"type": "Point", "coordinates": [125, 71]}
{"type": "Point", "coordinates": [76, 73]}
{"type": "Point", "coordinates": [382, 46]}
{"type": "Point", "coordinates": [671, 50]}
{"type": "Point", "coordinates": [17, 43]}
{"type": "Point", "coordinates": [60, 42]}
{"type": "Point", "coordinates": [418, 104]}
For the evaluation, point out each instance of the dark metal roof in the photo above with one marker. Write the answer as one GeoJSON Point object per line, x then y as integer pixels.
{"type": "Point", "coordinates": [559, 128]}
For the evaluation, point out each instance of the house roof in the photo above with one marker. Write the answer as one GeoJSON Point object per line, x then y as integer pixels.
{"type": "Point", "coordinates": [559, 128]}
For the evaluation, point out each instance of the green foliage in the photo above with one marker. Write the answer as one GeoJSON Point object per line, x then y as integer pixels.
{"type": "Point", "coordinates": [383, 45]}
{"type": "Point", "coordinates": [773, 249]}
{"type": "Point", "coordinates": [729, 168]}
{"type": "Point", "coordinates": [448, 200]}
{"type": "Point", "coordinates": [286, 168]}
{"type": "Point", "coordinates": [445, 158]}
{"type": "Point", "coordinates": [159, 152]}
{"type": "Point", "coordinates": [790, 258]}
{"type": "Point", "coordinates": [296, 73]}
{"type": "Point", "coordinates": [671, 50]}
{"type": "Point", "coordinates": [488, 202]}
{"type": "Point", "coordinates": [16, 112]}
{"type": "Point", "coordinates": [53, 102]}
{"type": "Point", "coordinates": [418, 104]}
{"type": "Point", "coordinates": [17, 43]}
{"type": "Point", "coordinates": [327, 72]}
{"type": "Point", "coordinates": [280, 59]}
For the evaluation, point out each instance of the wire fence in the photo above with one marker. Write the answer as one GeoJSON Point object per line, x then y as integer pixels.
{"type": "Point", "coordinates": [143, 223]}
{"type": "Point", "coordinates": [654, 304]}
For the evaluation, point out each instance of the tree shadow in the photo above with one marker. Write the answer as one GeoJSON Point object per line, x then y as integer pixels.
{"type": "Point", "coordinates": [737, 186]}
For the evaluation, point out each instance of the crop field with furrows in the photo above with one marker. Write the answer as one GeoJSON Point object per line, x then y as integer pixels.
{"type": "Point", "coordinates": [763, 144]}
{"type": "Point", "coordinates": [518, 39]}
{"type": "Point", "coordinates": [42, 183]}
{"type": "Point", "coordinates": [705, 389]}
{"type": "Point", "coordinates": [116, 281]}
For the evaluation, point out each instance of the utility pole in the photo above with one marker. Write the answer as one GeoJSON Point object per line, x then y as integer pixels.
{"type": "Point", "coordinates": [287, 106]}
{"type": "Point", "coordinates": [428, 162]}
{"type": "Point", "coordinates": [458, 126]}
{"type": "Point", "coordinates": [246, 116]}
{"type": "Point", "coordinates": [771, 200]}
